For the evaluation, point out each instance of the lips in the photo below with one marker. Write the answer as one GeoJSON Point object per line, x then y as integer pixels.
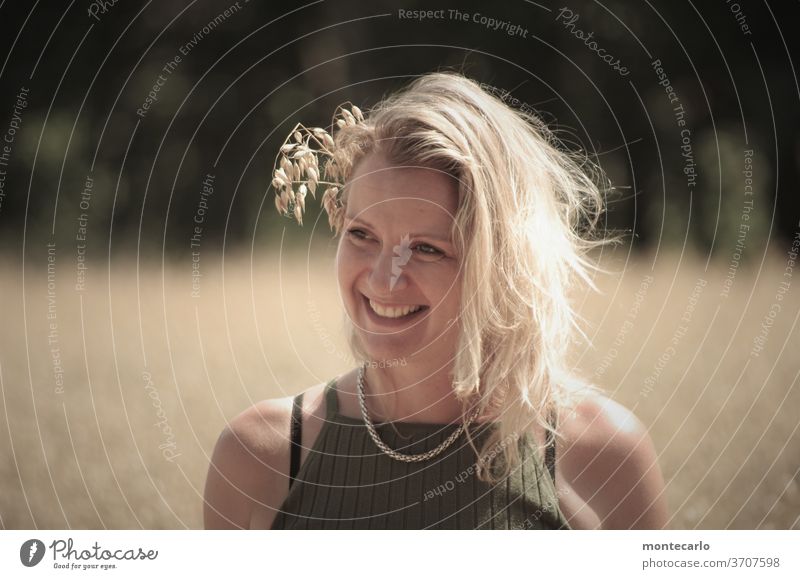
{"type": "Point", "coordinates": [389, 313]}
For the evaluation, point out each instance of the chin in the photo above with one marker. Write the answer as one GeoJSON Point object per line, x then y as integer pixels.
{"type": "Point", "coordinates": [386, 351]}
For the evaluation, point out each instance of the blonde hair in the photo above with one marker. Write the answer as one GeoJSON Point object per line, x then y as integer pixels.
{"type": "Point", "coordinates": [526, 213]}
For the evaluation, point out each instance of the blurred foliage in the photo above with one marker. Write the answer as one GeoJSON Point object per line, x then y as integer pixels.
{"type": "Point", "coordinates": [227, 104]}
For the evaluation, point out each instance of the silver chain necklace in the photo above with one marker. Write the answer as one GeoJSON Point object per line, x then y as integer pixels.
{"type": "Point", "coordinates": [393, 453]}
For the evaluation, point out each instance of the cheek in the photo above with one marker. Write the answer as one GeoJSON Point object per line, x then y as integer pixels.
{"type": "Point", "coordinates": [452, 293]}
{"type": "Point", "coordinates": [453, 301]}
{"type": "Point", "coordinates": [346, 269]}
{"type": "Point", "coordinates": [445, 290]}
{"type": "Point", "coordinates": [341, 264]}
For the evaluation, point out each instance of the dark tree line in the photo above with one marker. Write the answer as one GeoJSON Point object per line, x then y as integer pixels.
{"type": "Point", "coordinates": [150, 100]}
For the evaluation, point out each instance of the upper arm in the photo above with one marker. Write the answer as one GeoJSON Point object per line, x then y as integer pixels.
{"type": "Point", "coordinates": [247, 470]}
{"type": "Point", "coordinates": [611, 462]}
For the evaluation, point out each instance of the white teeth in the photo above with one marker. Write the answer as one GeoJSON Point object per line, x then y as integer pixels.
{"type": "Point", "coordinates": [391, 311]}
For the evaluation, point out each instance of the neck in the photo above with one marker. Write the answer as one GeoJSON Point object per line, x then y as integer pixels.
{"type": "Point", "coordinates": [411, 393]}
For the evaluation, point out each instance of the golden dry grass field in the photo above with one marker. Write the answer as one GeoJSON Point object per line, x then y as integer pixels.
{"type": "Point", "coordinates": [113, 396]}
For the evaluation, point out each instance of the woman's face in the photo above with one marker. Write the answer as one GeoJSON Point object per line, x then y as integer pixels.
{"type": "Point", "coordinates": [398, 271]}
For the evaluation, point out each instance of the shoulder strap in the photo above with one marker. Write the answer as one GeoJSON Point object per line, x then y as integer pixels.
{"type": "Point", "coordinates": [550, 451]}
{"type": "Point", "coordinates": [296, 426]}
{"type": "Point", "coordinates": [331, 401]}
{"type": "Point", "coordinates": [296, 433]}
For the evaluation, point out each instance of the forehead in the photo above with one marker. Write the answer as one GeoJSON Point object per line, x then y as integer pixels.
{"type": "Point", "coordinates": [378, 186]}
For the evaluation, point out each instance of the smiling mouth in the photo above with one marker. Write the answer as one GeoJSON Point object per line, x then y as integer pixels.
{"type": "Point", "coordinates": [393, 311]}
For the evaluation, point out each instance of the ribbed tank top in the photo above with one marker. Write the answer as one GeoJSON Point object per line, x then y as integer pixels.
{"type": "Point", "coordinates": [347, 482]}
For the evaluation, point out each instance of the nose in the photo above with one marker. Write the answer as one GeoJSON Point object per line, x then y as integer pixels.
{"type": "Point", "coordinates": [387, 274]}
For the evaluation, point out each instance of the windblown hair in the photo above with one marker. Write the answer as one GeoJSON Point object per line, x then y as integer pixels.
{"type": "Point", "coordinates": [526, 218]}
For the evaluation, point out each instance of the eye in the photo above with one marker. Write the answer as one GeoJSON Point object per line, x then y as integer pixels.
{"type": "Point", "coordinates": [428, 251]}
{"type": "Point", "coordinates": [357, 234]}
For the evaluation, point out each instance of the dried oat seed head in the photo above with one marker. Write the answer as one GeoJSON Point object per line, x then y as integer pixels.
{"type": "Point", "coordinates": [297, 168]}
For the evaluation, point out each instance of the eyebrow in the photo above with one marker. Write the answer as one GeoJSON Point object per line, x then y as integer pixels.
{"type": "Point", "coordinates": [426, 235]}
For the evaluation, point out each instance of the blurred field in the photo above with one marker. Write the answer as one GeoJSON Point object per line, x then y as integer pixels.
{"type": "Point", "coordinates": [151, 374]}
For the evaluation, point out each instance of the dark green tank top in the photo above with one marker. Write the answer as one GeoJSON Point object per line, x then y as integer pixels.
{"type": "Point", "coordinates": [347, 482]}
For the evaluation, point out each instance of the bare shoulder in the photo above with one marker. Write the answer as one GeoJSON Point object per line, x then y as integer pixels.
{"type": "Point", "coordinates": [609, 460]}
{"type": "Point", "coordinates": [248, 474]}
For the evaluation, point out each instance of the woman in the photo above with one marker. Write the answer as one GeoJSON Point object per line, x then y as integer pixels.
{"type": "Point", "coordinates": [461, 228]}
